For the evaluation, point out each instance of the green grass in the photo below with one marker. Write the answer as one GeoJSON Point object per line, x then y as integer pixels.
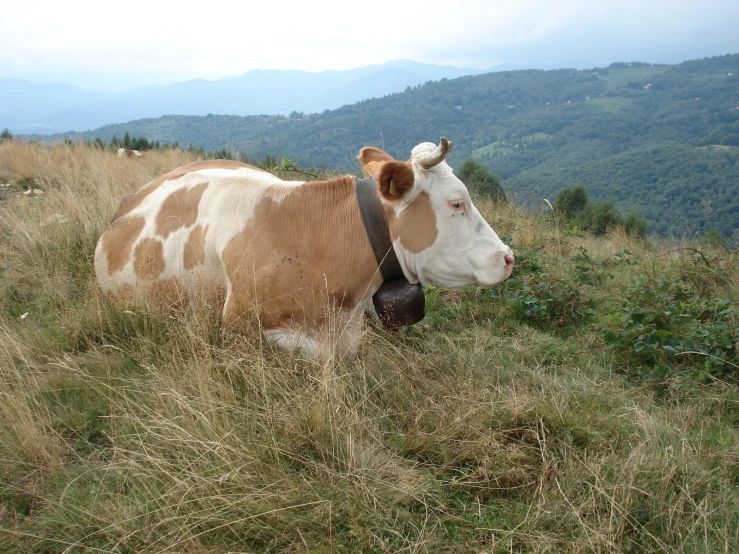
{"type": "Point", "coordinates": [613, 104]}
{"type": "Point", "coordinates": [619, 77]}
{"type": "Point", "coordinates": [503, 148]}
{"type": "Point", "coordinates": [505, 422]}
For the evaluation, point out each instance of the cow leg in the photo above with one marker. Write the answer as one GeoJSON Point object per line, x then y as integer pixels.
{"type": "Point", "coordinates": [349, 332]}
{"type": "Point", "coordinates": [339, 339]}
{"type": "Point", "coordinates": [296, 341]}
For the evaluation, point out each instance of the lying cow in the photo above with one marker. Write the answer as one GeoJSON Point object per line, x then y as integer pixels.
{"type": "Point", "coordinates": [125, 153]}
{"type": "Point", "coordinates": [296, 257]}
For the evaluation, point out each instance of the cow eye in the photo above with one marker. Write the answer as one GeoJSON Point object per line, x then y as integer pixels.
{"type": "Point", "coordinates": [456, 205]}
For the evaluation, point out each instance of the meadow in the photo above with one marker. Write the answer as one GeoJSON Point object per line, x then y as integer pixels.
{"type": "Point", "coordinates": [590, 404]}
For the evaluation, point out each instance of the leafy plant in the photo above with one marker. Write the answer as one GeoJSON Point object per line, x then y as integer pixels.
{"type": "Point", "coordinates": [668, 318]}
{"type": "Point", "coordinates": [542, 299]}
{"type": "Point", "coordinates": [594, 272]}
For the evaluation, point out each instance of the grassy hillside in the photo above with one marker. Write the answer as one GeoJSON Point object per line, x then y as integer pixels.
{"type": "Point", "coordinates": [588, 405]}
{"type": "Point", "coordinates": [662, 140]}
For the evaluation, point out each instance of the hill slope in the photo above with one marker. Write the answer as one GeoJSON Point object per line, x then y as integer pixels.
{"type": "Point", "coordinates": [507, 422]}
{"type": "Point", "coordinates": [663, 140]}
{"type": "Point", "coordinates": [54, 108]}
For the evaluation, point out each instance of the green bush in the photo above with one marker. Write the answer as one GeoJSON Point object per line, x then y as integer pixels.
{"type": "Point", "coordinates": [595, 272]}
{"type": "Point", "coordinates": [635, 225]}
{"type": "Point", "coordinates": [668, 325]}
{"type": "Point", "coordinates": [580, 214]}
{"type": "Point", "coordinates": [570, 201]}
{"type": "Point", "coordinates": [598, 219]}
{"type": "Point", "coordinates": [541, 299]}
{"type": "Point", "coordinates": [480, 181]}
{"type": "Point", "coordinates": [714, 238]}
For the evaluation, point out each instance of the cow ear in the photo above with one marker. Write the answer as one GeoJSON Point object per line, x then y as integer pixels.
{"type": "Point", "coordinates": [371, 160]}
{"type": "Point", "coordinates": [395, 179]}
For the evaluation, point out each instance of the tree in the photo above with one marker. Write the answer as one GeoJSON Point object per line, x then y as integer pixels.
{"type": "Point", "coordinates": [6, 135]}
{"type": "Point", "coordinates": [570, 201]}
{"type": "Point", "coordinates": [635, 225]}
{"type": "Point", "coordinates": [480, 181]}
{"type": "Point", "coordinates": [598, 219]}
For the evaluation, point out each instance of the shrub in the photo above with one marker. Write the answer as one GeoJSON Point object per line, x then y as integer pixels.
{"type": "Point", "coordinates": [580, 214]}
{"type": "Point", "coordinates": [570, 201]}
{"type": "Point", "coordinates": [635, 225]}
{"type": "Point", "coordinates": [668, 324]}
{"type": "Point", "coordinates": [222, 154]}
{"type": "Point", "coordinates": [713, 237]}
{"type": "Point", "coordinates": [541, 299]}
{"type": "Point", "coordinates": [480, 181]}
{"type": "Point", "coordinates": [598, 219]}
{"type": "Point", "coordinates": [595, 272]}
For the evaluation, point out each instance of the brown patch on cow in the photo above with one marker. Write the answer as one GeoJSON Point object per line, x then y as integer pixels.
{"type": "Point", "coordinates": [148, 259]}
{"type": "Point", "coordinates": [298, 259]}
{"type": "Point", "coordinates": [133, 201]}
{"type": "Point", "coordinates": [194, 252]}
{"type": "Point", "coordinates": [342, 300]}
{"type": "Point", "coordinates": [395, 180]}
{"type": "Point", "coordinates": [118, 241]}
{"type": "Point", "coordinates": [180, 209]}
{"type": "Point", "coordinates": [415, 226]}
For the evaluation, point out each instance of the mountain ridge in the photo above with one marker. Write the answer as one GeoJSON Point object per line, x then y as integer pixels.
{"type": "Point", "coordinates": [59, 108]}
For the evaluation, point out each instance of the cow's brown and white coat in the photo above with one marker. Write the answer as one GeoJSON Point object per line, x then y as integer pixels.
{"type": "Point", "coordinates": [294, 256]}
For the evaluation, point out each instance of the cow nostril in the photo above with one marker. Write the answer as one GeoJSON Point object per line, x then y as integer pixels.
{"type": "Point", "coordinates": [509, 260]}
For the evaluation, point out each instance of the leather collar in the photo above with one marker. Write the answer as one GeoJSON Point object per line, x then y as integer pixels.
{"type": "Point", "coordinates": [373, 217]}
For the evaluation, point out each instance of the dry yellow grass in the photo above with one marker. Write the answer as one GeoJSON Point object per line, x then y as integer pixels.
{"type": "Point", "coordinates": [129, 431]}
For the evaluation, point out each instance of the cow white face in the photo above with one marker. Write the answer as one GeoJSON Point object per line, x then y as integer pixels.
{"type": "Point", "coordinates": [439, 235]}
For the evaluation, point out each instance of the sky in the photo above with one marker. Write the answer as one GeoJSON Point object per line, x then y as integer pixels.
{"type": "Point", "coordinates": [119, 45]}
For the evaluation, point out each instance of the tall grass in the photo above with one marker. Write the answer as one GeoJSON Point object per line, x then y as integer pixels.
{"type": "Point", "coordinates": [481, 430]}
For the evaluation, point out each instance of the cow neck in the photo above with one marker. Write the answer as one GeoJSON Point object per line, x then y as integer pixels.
{"type": "Point", "coordinates": [378, 233]}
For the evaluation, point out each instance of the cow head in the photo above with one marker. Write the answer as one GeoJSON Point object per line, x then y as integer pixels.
{"type": "Point", "coordinates": [439, 236]}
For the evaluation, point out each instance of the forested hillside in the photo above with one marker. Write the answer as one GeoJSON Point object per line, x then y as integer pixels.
{"type": "Point", "coordinates": [660, 139]}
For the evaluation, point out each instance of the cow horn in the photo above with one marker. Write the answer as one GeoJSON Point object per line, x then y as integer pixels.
{"type": "Point", "coordinates": [437, 156]}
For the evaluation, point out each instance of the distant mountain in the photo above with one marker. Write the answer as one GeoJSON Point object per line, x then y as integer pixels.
{"type": "Point", "coordinates": [29, 108]}
{"type": "Point", "coordinates": [660, 139]}
{"type": "Point", "coordinates": [53, 108]}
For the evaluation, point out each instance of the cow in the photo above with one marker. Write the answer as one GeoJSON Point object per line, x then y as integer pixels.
{"type": "Point", "coordinates": [295, 257]}
{"type": "Point", "coordinates": [126, 153]}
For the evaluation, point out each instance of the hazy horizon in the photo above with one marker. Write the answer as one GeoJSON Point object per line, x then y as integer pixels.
{"type": "Point", "coordinates": [115, 48]}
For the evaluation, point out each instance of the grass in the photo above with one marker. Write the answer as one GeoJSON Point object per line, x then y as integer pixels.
{"type": "Point", "coordinates": [485, 429]}
{"type": "Point", "coordinates": [502, 148]}
{"type": "Point", "coordinates": [620, 76]}
{"type": "Point", "coordinates": [614, 104]}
